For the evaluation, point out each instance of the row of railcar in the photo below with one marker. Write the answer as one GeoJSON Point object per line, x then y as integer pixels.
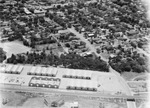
{"type": "Point", "coordinates": [44, 82]}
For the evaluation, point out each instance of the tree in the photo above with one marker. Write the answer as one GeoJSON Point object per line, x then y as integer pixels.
{"type": "Point", "coordinates": [98, 50]}
{"type": "Point", "coordinates": [2, 1]}
{"type": "Point", "coordinates": [25, 43]}
{"type": "Point", "coordinates": [138, 68]}
{"type": "Point", "coordinates": [13, 57]}
{"type": "Point", "coordinates": [2, 55]}
{"type": "Point", "coordinates": [127, 67]}
{"type": "Point", "coordinates": [47, 48]}
{"type": "Point", "coordinates": [58, 6]}
{"type": "Point", "coordinates": [69, 25]}
{"type": "Point", "coordinates": [133, 44]}
{"type": "Point", "coordinates": [32, 44]}
{"type": "Point", "coordinates": [119, 46]}
{"type": "Point", "coordinates": [140, 44]}
{"type": "Point", "coordinates": [67, 45]}
{"type": "Point", "coordinates": [141, 60]}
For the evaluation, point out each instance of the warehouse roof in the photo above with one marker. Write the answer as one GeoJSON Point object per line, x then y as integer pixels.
{"type": "Point", "coordinates": [13, 68]}
{"type": "Point", "coordinates": [82, 83]}
{"type": "Point", "coordinates": [8, 68]}
{"type": "Point", "coordinates": [78, 73]}
{"type": "Point", "coordinates": [43, 70]}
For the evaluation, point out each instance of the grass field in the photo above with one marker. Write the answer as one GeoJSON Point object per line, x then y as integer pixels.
{"type": "Point", "coordinates": [14, 47]}
{"type": "Point", "coordinates": [130, 75]}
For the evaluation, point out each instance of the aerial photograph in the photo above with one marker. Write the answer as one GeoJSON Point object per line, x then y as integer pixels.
{"type": "Point", "coordinates": [74, 53]}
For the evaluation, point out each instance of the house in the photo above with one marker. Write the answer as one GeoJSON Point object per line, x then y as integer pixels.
{"type": "Point", "coordinates": [20, 23]}
{"type": "Point", "coordinates": [39, 12]}
{"type": "Point", "coordinates": [27, 11]}
{"type": "Point", "coordinates": [38, 36]}
{"type": "Point", "coordinates": [59, 28]}
{"type": "Point", "coordinates": [81, 46]}
{"type": "Point", "coordinates": [131, 32]}
{"type": "Point", "coordinates": [5, 23]}
{"type": "Point", "coordinates": [60, 13]}
{"type": "Point", "coordinates": [83, 30]}
{"type": "Point", "coordinates": [47, 19]}
{"type": "Point", "coordinates": [103, 38]}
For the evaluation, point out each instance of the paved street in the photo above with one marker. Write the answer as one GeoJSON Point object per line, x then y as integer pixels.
{"type": "Point", "coordinates": [92, 48]}
{"type": "Point", "coordinates": [64, 92]}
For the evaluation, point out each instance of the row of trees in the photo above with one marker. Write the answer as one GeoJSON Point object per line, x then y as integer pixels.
{"type": "Point", "coordinates": [71, 60]}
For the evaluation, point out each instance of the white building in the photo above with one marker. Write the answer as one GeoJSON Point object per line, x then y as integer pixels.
{"type": "Point", "coordinates": [77, 84]}
{"type": "Point", "coordinates": [78, 74]}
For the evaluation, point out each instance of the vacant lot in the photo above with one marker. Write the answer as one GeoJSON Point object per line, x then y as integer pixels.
{"type": "Point", "coordinates": [130, 75]}
{"type": "Point", "coordinates": [28, 100]}
{"type": "Point", "coordinates": [14, 47]}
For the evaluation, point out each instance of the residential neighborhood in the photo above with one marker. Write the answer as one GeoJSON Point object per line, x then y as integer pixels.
{"type": "Point", "coordinates": [57, 45]}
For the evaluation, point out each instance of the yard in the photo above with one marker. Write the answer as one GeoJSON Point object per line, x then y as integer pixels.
{"type": "Point", "coordinates": [110, 84]}
{"type": "Point", "coordinates": [14, 47]}
{"type": "Point", "coordinates": [50, 47]}
{"type": "Point", "coordinates": [131, 75]}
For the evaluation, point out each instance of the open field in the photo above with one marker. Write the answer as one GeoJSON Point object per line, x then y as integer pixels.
{"type": "Point", "coordinates": [14, 47]}
{"type": "Point", "coordinates": [142, 103]}
{"type": "Point", "coordinates": [130, 75]}
{"type": "Point", "coordinates": [22, 100]}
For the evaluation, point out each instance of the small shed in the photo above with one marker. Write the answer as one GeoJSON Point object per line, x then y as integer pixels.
{"type": "Point", "coordinates": [90, 35]}
{"type": "Point", "coordinates": [20, 69]}
{"type": "Point", "coordinates": [32, 71]}
{"type": "Point", "coordinates": [67, 73]}
{"type": "Point", "coordinates": [38, 71]}
{"type": "Point", "coordinates": [84, 85]}
{"type": "Point", "coordinates": [14, 69]}
{"type": "Point", "coordinates": [43, 71]}
{"type": "Point", "coordinates": [49, 70]}
{"type": "Point", "coordinates": [54, 72]}
{"type": "Point", "coordinates": [8, 68]}
{"type": "Point", "coordinates": [27, 11]}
